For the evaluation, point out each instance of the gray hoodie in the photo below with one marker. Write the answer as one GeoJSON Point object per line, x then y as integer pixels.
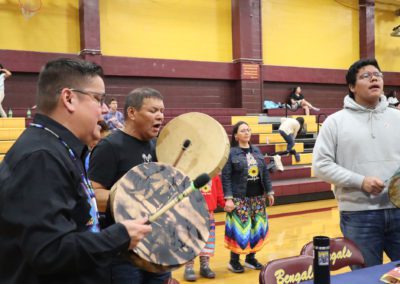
{"type": "Point", "coordinates": [354, 143]}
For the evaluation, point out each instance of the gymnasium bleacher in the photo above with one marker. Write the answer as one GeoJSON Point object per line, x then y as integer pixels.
{"type": "Point", "coordinates": [295, 184]}
{"type": "Point", "coordinates": [10, 129]}
{"type": "Point", "coordinates": [222, 58]}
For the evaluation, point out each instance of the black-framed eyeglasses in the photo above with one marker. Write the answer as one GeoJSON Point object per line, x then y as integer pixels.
{"type": "Point", "coordinates": [99, 97]}
{"type": "Point", "coordinates": [368, 75]}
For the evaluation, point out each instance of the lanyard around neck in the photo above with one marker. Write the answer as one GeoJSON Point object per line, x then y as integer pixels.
{"type": "Point", "coordinates": [87, 186]}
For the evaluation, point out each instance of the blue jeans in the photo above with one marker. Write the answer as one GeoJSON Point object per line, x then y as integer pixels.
{"type": "Point", "coordinates": [126, 273]}
{"type": "Point", "coordinates": [289, 140]}
{"type": "Point", "coordinates": [374, 232]}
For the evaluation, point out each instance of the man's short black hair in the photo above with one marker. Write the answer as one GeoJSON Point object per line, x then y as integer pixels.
{"type": "Point", "coordinates": [351, 76]}
{"type": "Point", "coordinates": [112, 100]}
{"type": "Point", "coordinates": [62, 73]}
{"type": "Point", "coordinates": [135, 98]}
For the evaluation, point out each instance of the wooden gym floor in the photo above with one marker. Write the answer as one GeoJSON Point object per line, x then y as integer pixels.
{"type": "Point", "coordinates": [291, 226]}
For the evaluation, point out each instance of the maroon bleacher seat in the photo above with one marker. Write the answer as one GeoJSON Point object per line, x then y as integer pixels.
{"type": "Point", "coordinates": [344, 252]}
{"type": "Point", "coordinates": [295, 267]}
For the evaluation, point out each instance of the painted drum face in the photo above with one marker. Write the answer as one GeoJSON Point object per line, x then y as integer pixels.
{"type": "Point", "coordinates": [180, 234]}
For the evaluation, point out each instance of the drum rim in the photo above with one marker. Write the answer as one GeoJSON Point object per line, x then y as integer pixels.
{"type": "Point", "coordinates": [392, 190]}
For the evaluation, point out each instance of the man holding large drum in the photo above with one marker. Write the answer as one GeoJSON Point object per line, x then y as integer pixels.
{"type": "Point", "coordinates": [117, 154]}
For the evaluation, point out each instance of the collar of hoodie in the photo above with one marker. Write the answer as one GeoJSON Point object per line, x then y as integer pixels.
{"type": "Point", "coordinates": [373, 113]}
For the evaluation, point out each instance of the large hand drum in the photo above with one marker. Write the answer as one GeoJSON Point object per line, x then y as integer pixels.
{"type": "Point", "coordinates": [180, 234]}
{"type": "Point", "coordinates": [209, 148]}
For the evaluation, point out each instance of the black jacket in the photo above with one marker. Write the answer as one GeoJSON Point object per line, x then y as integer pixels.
{"type": "Point", "coordinates": [44, 212]}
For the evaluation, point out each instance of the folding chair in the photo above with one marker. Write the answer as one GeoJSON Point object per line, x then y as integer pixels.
{"type": "Point", "coordinates": [287, 270]}
{"type": "Point", "coordinates": [344, 252]}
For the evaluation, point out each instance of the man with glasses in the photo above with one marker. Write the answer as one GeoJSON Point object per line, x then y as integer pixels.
{"type": "Point", "coordinates": [357, 150]}
{"type": "Point", "coordinates": [99, 97]}
{"type": "Point", "coordinates": [48, 214]}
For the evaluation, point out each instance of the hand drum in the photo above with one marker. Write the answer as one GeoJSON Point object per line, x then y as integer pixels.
{"type": "Point", "coordinates": [180, 234]}
{"type": "Point", "coordinates": [209, 144]}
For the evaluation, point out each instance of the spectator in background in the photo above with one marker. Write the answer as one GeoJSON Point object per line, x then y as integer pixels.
{"type": "Point", "coordinates": [297, 100]}
{"type": "Point", "coordinates": [289, 129]}
{"type": "Point", "coordinates": [357, 150]}
{"type": "Point", "coordinates": [114, 118]}
{"type": "Point", "coordinates": [4, 74]}
{"type": "Point", "coordinates": [392, 99]}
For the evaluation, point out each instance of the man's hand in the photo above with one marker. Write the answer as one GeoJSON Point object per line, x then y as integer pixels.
{"type": "Point", "coordinates": [229, 205]}
{"type": "Point", "coordinates": [373, 185]}
{"type": "Point", "coordinates": [137, 230]}
{"type": "Point", "coordinates": [271, 199]}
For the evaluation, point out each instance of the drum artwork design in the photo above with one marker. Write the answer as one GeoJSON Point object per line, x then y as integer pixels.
{"type": "Point", "coordinates": [177, 236]}
{"type": "Point", "coordinates": [394, 189]}
{"type": "Point", "coordinates": [209, 144]}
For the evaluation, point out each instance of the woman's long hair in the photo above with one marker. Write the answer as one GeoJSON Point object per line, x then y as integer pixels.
{"type": "Point", "coordinates": [294, 90]}
{"type": "Point", "coordinates": [235, 143]}
{"type": "Point", "coordinates": [301, 121]}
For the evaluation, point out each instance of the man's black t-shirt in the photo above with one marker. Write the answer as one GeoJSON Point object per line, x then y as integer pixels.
{"type": "Point", "coordinates": [116, 154]}
{"type": "Point", "coordinates": [111, 159]}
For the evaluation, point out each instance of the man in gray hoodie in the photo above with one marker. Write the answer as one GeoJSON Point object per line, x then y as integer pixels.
{"type": "Point", "coordinates": [357, 150]}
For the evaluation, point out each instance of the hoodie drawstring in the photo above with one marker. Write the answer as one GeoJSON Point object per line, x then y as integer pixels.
{"type": "Point", "coordinates": [370, 125]}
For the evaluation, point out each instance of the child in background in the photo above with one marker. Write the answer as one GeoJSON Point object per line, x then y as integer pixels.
{"type": "Point", "coordinates": [214, 195]}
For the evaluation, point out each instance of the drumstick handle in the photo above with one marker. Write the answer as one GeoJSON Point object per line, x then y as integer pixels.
{"type": "Point", "coordinates": [185, 145]}
{"type": "Point", "coordinates": [170, 204]}
{"type": "Point", "coordinates": [199, 182]}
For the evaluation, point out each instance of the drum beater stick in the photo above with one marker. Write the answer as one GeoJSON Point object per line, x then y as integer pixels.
{"type": "Point", "coordinates": [185, 145]}
{"type": "Point", "coordinates": [199, 182]}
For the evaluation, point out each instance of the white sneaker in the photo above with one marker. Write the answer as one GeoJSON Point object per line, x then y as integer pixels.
{"type": "Point", "coordinates": [278, 163]}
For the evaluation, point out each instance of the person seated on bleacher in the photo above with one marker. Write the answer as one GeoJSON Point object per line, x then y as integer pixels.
{"type": "Point", "coordinates": [289, 129]}
{"type": "Point", "coordinates": [297, 100]}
